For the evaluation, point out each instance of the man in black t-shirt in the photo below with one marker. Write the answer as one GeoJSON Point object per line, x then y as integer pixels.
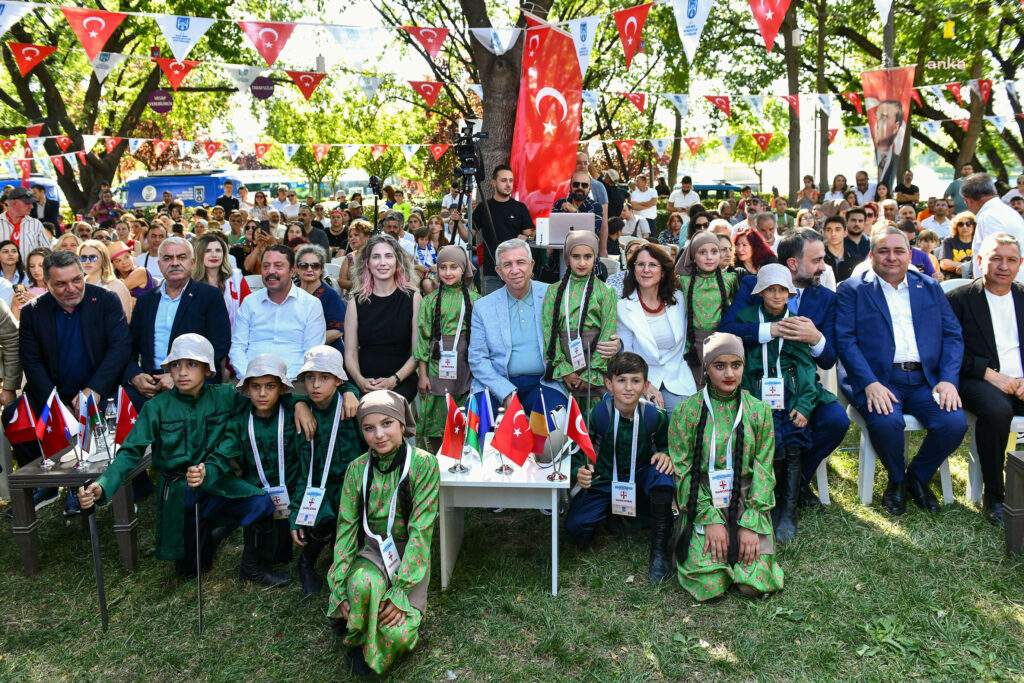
{"type": "Point", "coordinates": [907, 193]}
{"type": "Point", "coordinates": [511, 219]}
{"type": "Point", "coordinates": [228, 201]}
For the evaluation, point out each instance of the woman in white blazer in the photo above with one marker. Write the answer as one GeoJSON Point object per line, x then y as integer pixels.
{"type": "Point", "coordinates": [652, 323]}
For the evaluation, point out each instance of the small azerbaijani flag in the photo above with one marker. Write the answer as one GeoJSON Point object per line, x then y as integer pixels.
{"type": "Point", "coordinates": [481, 419]}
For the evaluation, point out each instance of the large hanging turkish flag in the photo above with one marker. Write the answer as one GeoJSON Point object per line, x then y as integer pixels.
{"type": "Point", "coordinates": [27, 56]}
{"type": "Point", "coordinates": [174, 69]}
{"type": "Point", "coordinates": [268, 37]}
{"type": "Point", "coordinates": [547, 128]}
{"type": "Point", "coordinates": [631, 27]}
{"type": "Point", "coordinates": [93, 27]}
{"type": "Point", "coordinates": [769, 15]}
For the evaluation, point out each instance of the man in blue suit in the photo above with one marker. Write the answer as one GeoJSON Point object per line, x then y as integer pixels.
{"type": "Point", "coordinates": [900, 351]}
{"type": "Point", "coordinates": [802, 250]}
{"type": "Point", "coordinates": [178, 306]}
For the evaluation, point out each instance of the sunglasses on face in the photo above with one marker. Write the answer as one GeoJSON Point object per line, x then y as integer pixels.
{"type": "Point", "coordinates": [309, 266]}
{"type": "Point", "coordinates": [91, 258]}
{"type": "Point", "coordinates": [971, 223]}
{"type": "Point", "coordinates": [583, 185]}
{"type": "Point", "coordinates": [701, 225]}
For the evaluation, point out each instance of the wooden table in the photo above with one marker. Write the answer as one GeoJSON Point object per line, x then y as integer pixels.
{"type": "Point", "coordinates": [26, 525]}
{"type": "Point", "coordinates": [482, 487]}
{"type": "Point", "coordinates": [1013, 506]}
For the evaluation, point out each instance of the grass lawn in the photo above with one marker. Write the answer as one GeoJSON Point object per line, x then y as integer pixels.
{"type": "Point", "coordinates": [867, 597]}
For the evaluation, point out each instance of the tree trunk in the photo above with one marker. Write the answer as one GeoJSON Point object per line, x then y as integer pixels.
{"type": "Point", "coordinates": [677, 141]}
{"type": "Point", "coordinates": [969, 146]}
{"type": "Point", "coordinates": [792, 54]}
{"type": "Point", "coordinates": [820, 61]}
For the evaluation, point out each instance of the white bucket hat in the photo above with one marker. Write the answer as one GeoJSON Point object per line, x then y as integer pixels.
{"type": "Point", "coordinates": [191, 346]}
{"type": "Point", "coordinates": [266, 364]}
{"type": "Point", "coordinates": [324, 359]}
{"type": "Point", "coordinates": [774, 274]}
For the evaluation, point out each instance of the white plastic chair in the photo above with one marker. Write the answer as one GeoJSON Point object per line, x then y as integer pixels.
{"type": "Point", "coordinates": [974, 480]}
{"type": "Point", "coordinates": [332, 269]}
{"type": "Point", "coordinates": [254, 281]}
{"type": "Point", "coordinates": [950, 285]}
{"type": "Point", "coordinates": [830, 381]}
{"type": "Point", "coordinates": [866, 468]}
{"type": "Point", "coordinates": [612, 264]}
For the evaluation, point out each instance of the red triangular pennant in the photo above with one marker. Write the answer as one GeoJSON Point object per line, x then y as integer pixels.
{"type": "Point", "coordinates": [63, 141]}
{"type": "Point", "coordinates": [377, 151]}
{"type": "Point", "coordinates": [268, 37]}
{"type": "Point", "coordinates": [27, 56]}
{"type": "Point", "coordinates": [320, 151]}
{"type": "Point", "coordinates": [26, 166]}
{"type": "Point", "coordinates": [429, 37]}
{"type": "Point", "coordinates": [437, 151]}
{"type": "Point", "coordinates": [854, 99]}
{"type": "Point", "coordinates": [306, 81]}
{"type": "Point", "coordinates": [762, 140]}
{"type": "Point", "coordinates": [7, 145]}
{"type": "Point", "coordinates": [916, 96]}
{"type": "Point", "coordinates": [955, 89]}
{"type": "Point", "coordinates": [630, 23]}
{"type": "Point", "coordinates": [428, 90]}
{"type": "Point", "coordinates": [694, 143]}
{"type": "Point", "coordinates": [794, 101]}
{"type": "Point", "coordinates": [58, 163]}
{"type": "Point", "coordinates": [111, 143]}
{"type": "Point", "coordinates": [985, 87]}
{"type": "Point", "coordinates": [81, 158]}
{"type": "Point", "coordinates": [625, 147]}
{"type": "Point", "coordinates": [262, 148]}
{"type": "Point", "coordinates": [963, 123]}
{"type": "Point", "coordinates": [175, 70]}
{"type": "Point", "coordinates": [832, 135]}
{"type": "Point", "coordinates": [160, 146]}
{"type": "Point", "coordinates": [93, 27]}
{"type": "Point", "coordinates": [638, 99]}
{"type": "Point", "coordinates": [722, 102]}
{"type": "Point", "coordinates": [211, 148]}
{"type": "Point", "coordinates": [768, 14]}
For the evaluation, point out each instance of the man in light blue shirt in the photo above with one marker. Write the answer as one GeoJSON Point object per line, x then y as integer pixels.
{"type": "Point", "coordinates": [166, 310]}
{"type": "Point", "coordinates": [281, 318]}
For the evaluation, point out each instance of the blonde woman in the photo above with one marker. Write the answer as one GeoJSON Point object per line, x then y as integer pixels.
{"type": "Point", "coordinates": [98, 271]}
{"type": "Point", "coordinates": [213, 268]}
{"type": "Point", "coordinates": [359, 232]}
{"type": "Point", "coordinates": [67, 242]}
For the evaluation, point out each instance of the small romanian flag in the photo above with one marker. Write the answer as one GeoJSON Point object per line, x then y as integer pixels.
{"type": "Point", "coordinates": [541, 424]}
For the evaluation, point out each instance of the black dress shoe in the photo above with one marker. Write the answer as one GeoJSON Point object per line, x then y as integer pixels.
{"type": "Point", "coordinates": [922, 494]}
{"type": "Point", "coordinates": [993, 511]}
{"type": "Point", "coordinates": [808, 499]}
{"type": "Point", "coordinates": [894, 500]}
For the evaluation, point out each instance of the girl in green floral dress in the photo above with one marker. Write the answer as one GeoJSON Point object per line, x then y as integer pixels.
{"type": "Point", "coordinates": [444, 322]}
{"type": "Point", "coordinates": [571, 335]}
{"type": "Point", "coordinates": [725, 539]}
{"type": "Point", "coordinates": [709, 291]}
{"type": "Point", "coordinates": [386, 520]}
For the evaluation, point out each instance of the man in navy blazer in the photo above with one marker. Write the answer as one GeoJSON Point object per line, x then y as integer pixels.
{"type": "Point", "coordinates": [178, 306]}
{"type": "Point", "coordinates": [802, 250]}
{"type": "Point", "coordinates": [900, 349]}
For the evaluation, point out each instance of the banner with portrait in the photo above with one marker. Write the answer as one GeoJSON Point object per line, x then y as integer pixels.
{"type": "Point", "coordinates": [887, 94]}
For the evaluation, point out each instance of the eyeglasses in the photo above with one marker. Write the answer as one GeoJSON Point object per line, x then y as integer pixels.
{"type": "Point", "coordinates": [647, 266]}
{"type": "Point", "coordinates": [972, 223]}
{"type": "Point", "coordinates": [702, 225]}
{"type": "Point", "coordinates": [91, 258]}
{"type": "Point", "coordinates": [584, 185]}
{"type": "Point", "coordinates": [309, 266]}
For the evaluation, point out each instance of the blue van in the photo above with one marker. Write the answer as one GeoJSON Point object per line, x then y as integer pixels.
{"type": "Point", "coordinates": [50, 185]}
{"type": "Point", "coordinates": [192, 188]}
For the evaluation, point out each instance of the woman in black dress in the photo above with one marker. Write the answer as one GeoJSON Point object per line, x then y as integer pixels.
{"type": "Point", "coordinates": [380, 329]}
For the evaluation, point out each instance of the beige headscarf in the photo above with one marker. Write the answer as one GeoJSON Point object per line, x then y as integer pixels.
{"type": "Point", "coordinates": [576, 238]}
{"type": "Point", "coordinates": [386, 402]}
{"type": "Point", "coordinates": [721, 344]}
{"type": "Point", "coordinates": [457, 255]}
{"type": "Point", "coordinates": [686, 264]}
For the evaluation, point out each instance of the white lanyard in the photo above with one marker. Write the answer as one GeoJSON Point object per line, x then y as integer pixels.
{"type": "Point", "coordinates": [458, 330]}
{"type": "Point", "coordinates": [632, 452]}
{"type": "Point", "coordinates": [583, 299]}
{"type": "Point", "coordinates": [714, 436]}
{"type": "Point", "coordinates": [280, 449]}
{"type": "Point", "coordinates": [764, 348]}
{"type": "Point", "coordinates": [330, 451]}
{"type": "Point", "coordinates": [394, 496]}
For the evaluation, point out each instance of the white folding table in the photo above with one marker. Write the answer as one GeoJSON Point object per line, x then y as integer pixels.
{"type": "Point", "coordinates": [482, 487]}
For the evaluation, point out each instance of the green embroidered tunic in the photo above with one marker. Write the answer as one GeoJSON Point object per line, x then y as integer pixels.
{"type": "Point", "coordinates": [708, 306]}
{"type": "Point", "coordinates": [601, 315]}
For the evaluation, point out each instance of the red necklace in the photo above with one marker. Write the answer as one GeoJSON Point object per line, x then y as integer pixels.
{"type": "Point", "coordinates": [652, 311]}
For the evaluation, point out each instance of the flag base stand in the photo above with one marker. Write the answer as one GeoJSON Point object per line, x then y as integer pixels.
{"type": "Point", "coordinates": [46, 464]}
{"type": "Point", "coordinates": [504, 469]}
{"type": "Point", "coordinates": [556, 476]}
{"type": "Point", "coordinates": [458, 468]}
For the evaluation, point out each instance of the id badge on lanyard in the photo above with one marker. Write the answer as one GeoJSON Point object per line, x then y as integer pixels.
{"type": "Point", "coordinates": [721, 480]}
{"type": "Point", "coordinates": [773, 389]}
{"type": "Point", "coordinates": [576, 354]}
{"type": "Point", "coordinates": [388, 550]}
{"type": "Point", "coordinates": [278, 494]}
{"type": "Point", "coordinates": [313, 498]}
{"type": "Point", "coordinates": [624, 492]}
{"type": "Point", "coordinates": [448, 365]}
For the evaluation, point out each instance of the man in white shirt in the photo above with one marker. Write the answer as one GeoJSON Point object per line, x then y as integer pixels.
{"type": "Point", "coordinates": [991, 313]}
{"type": "Point", "coordinates": [644, 199]}
{"type": "Point", "coordinates": [993, 216]}
{"type": "Point", "coordinates": [17, 225]}
{"type": "Point", "coordinates": [766, 225]}
{"type": "Point", "coordinates": [393, 226]}
{"type": "Point", "coordinates": [281, 318]}
{"type": "Point", "coordinates": [150, 259]}
{"type": "Point", "coordinates": [280, 202]}
{"type": "Point", "coordinates": [683, 198]}
{"type": "Point", "coordinates": [939, 220]}
{"type": "Point", "coordinates": [864, 190]}
{"type": "Point", "coordinates": [452, 198]}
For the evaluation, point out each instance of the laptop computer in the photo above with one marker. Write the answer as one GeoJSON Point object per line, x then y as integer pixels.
{"type": "Point", "coordinates": [559, 225]}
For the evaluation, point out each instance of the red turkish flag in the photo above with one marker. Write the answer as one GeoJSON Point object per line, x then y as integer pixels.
{"type": "Point", "coordinates": [27, 56]}
{"type": "Point", "coordinates": [428, 90]}
{"type": "Point", "coordinates": [174, 69]}
{"type": "Point", "coordinates": [963, 123]}
{"type": "Point", "coordinates": [768, 14]}
{"type": "Point", "coordinates": [58, 163]}
{"type": "Point", "coordinates": [985, 87]}
{"type": "Point", "coordinates": [535, 39]}
{"type": "Point", "coordinates": [81, 158]}
{"type": "Point", "coordinates": [437, 151]}
{"type": "Point", "coordinates": [111, 143]}
{"type": "Point", "coordinates": [638, 99]}
{"type": "Point", "coordinates": [854, 99]}
{"type": "Point", "coordinates": [630, 23]}
{"type": "Point", "coordinates": [160, 146]}
{"type": "Point", "coordinates": [430, 38]}
{"type": "Point", "coordinates": [7, 145]}
{"type": "Point", "coordinates": [454, 431]}
{"type": "Point", "coordinates": [955, 89]}
{"type": "Point", "coordinates": [93, 27]}
{"type": "Point", "coordinates": [694, 143]}
{"type": "Point", "coordinates": [916, 96]}
{"type": "Point", "coordinates": [306, 81]}
{"type": "Point", "coordinates": [63, 141]}
{"type": "Point", "coordinates": [794, 101]}
{"type": "Point", "coordinates": [22, 426]}
{"type": "Point", "coordinates": [211, 148]}
{"type": "Point", "coordinates": [547, 130]}
{"type": "Point", "coordinates": [513, 438]}
{"type": "Point", "coordinates": [26, 167]}
{"type": "Point", "coordinates": [722, 102]}
{"type": "Point", "coordinates": [264, 147]}
{"type": "Point", "coordinates": [832, 135]}
{"type": "Point", "coordinates": [320, 151]}
{"type": "Point", "coordinates": [126, 416]}
{"type": "Point", "coordinates": [377, 151]}
{"type": "Point", "coordinates": [625, 147]}
{"type": "Point", "coordinates": [762, 140]}
{"type": "Point", "coordinates": [268, 37]}
{"type": "Point", "coordinates": [576, 430]}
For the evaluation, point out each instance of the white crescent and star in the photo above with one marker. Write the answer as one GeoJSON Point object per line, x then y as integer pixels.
{"type": "Point", "coordinates": [306, 78]}
{"type": "Point", "coordinates": [34, 50]}
{"type": "Point", "coordinates": [87, 20]}
{"type": "Point", "coordinates": [629, 34]}
{"type": "Point", "coordinates": [580, 426]}
{"type": "Point", "coordinates": [531, 45]}
{"type": "Point", "coordinates": [549, 125]}
{"type": "Point", "coordinates": [427, 88]}
{"type": "Point", "coordinates": [432, 32]}
{"type": "Point", "coordinates": [176, 67]}
{"type": "Point", "coordinates": [268, 30]}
